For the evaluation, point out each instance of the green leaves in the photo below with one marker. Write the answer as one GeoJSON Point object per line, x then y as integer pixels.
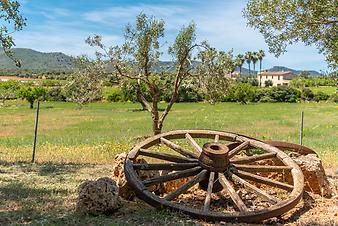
{"type": "Point", "coordinates": [285, 22]}
{"type": "Point", "coordinates": [212, 73]}
{"type": "Point", "coordinates": [33, 93]}
{"type": "Point", "coordinates": [12, 21]}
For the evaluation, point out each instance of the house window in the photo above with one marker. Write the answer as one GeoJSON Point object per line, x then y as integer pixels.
{"type": "Point", "coordinates": [266, 77]}
{"type": "Point", "coordinates": [278, 77]}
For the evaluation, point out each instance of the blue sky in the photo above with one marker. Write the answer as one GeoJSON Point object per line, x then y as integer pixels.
{"type": "Point", "coordinates": [63, 25]}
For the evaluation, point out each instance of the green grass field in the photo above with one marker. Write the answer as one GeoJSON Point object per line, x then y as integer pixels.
{"type": "Point", "coordinates": [79, 144]}
{"type": "Point", "coordinates": [95, 133]}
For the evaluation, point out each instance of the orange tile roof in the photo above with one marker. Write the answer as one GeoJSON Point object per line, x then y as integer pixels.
{"type": "Point", "coordinates": [274, 73]}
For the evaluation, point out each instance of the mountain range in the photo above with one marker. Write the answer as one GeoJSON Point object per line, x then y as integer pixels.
{"type": "Point", "coordinates": [57, 61]}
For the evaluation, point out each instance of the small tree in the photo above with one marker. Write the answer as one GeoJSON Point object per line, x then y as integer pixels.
{"type": "Point", "coordinates": [268, 83]}
{"type": "Point", "coordinates": [85, 84]}
{"type": "Point", "coordinates": [212, 72]}
{"type": "Point", "coordinates": [33, 94]}
{"type": "Point", "coordinates": [138, 59]}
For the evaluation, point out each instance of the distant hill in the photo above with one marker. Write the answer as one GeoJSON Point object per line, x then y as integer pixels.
{"type": "Point", "coordinates": [297, 72]}
{"type": "Point", "coordinates": [34, 60]}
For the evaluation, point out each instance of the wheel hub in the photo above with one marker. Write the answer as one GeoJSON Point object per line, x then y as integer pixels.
{"type": "Point", "coordinates": [214, 157]}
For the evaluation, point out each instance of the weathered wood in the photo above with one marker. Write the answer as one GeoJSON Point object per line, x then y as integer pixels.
{"type": "Point", "coordinates": [193, 143]}
{"type": "Point", "coordinates": [165, 166]}
{"type": "Point", "coordinates": [263, 180]}
{"type": "Point", "coordinates": [253, 158]}
{"type": "Point", "coordinates": [282, 145]}
{"type": "Point", "coordinates": [234, 196]}
{"type": "Point", "coordinates": [258, 168]}
{"type": "Point", "coordinates": [178, 149]}
{"type": "Point", "coordinates": [172, 176]}
{"type": "Point", "coordinates": [209, 191]}
{"type": "Point", "coordinates": [247, 216]}
{"type": "Point", "coordinates": [216, 138]}
{"type": "Point", "coordinates": [180, 134]}
{"type": "Point", "coordinates": [238, 148]}
{"type": "Point", "coordinates": [185, 187]}
{"type": "Point", "coordinates": [256, 190]}
{"type": "Point", "coordinates": [164, 156]}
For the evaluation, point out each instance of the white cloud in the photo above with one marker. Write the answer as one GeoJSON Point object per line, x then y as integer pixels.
{"type": "Point", "coordinates": [219, 22]}
{"type": "Point", "coordinates": [122, 14]}
{"type": "Point", "coordinates": [71, 42]}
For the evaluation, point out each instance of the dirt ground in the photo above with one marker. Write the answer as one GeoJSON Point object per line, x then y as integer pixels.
{"type": "Point", "coordinates": [45, 194]}
{"type": "Point", "coordinates": [312, 210]}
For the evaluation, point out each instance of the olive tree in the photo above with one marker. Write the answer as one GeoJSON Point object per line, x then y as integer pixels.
{"type": "Point", "coordinates": [138, 59]}
{"type": "Point", "coordinates": [212, 73]}
{"type": "Point", "coordinates": [11, 21]}
{"type": "Point", "coordinates": [85, 83]}
{"type": "Point", "coordinates": [283, 22]}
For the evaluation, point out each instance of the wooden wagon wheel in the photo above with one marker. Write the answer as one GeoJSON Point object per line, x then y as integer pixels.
{"type": "Point", "coordinates": [251, 188]}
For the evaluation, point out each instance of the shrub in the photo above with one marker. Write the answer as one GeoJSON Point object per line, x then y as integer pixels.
{"type": "Point", "coordinates": [321, 96]}
{"type": "Point", "coordinates": [129, 92]}
{"type": "Point", "coordinates": [314, 81]}
{"type": "Point", "coordinates": [188, 94]}
{"type": "Point", "coordinates": [56, 94]}
{"type": "Point", "coordinates": [284, 94]}
{"type": "Point", "coordinates": [9, 89]}
{"type": "Point", "coordinates": [115, 96]}
{"type": "Point", "coordinates": [334, 97]}
{"type": "Point", "coordinates": [268, 83]}
{"type": "Point", "coordinates": [50, 83]}
{"type": "Point", "coordinates": [307, 94]}
{"type": "Point", "coordinates": [241, 92]}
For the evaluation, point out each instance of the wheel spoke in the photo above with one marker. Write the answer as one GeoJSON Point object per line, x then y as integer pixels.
{"type": "Point", "coordinates": [216, 138]}
{"type": "Point", "coordinates": [209, 191]}
{"type": "Point", "coordinates": [165, 166]}
{"type": "Point", "coordinates": [238, 148]}
{"type": "Point", "coordinates": [178, 149]}
{"type": "Point", "coordinates": [193, 143]}
{"type": "Point", "coordinates": [254, 158]}
{"type": "Point", "coordinates": [172, 176]}
{"type": "Point", "coordinates": [185, 187]}
{"type": "Point", "coordinates": [263, 180]}
{"type": "Point", "coordinates": [164, 156]}
{"type": "Point", "coordinates": [258, 191]}
{"type": "Point", "coordinates": [234, 196]}
{"type": "Point", "coordinates": [258, 168]}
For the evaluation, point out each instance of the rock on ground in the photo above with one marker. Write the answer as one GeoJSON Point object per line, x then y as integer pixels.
{"type": "Point", "coordinates": [125, 191]}
{"type": "Point", "coordinates": [98, 197]}
{"type": "Point", "coordinates": [315, 179]}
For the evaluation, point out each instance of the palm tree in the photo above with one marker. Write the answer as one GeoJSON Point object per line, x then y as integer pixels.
{"type": "Point", "coordinates": [260, 56]}
{"type": "Point", "coordinates": [248, 57]}
{"type": "Point", "coordinates": [254, 59]}
{"type": "Point", "coordinates": [239, 62]}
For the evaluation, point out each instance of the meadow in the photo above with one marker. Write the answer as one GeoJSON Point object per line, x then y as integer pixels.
{"type": "Point", "coordinates": [78, 144]}
{"type": "Point", "coordinates": [98, 131]}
